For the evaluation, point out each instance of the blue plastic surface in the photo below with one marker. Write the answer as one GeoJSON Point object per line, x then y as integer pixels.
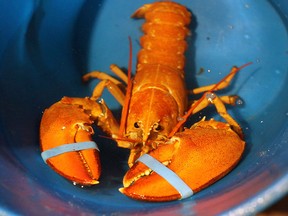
{"type": "Point", "coordinates": [45, 48]}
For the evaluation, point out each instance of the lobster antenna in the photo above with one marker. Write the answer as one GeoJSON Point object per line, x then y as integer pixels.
{"type": "Point", "coordinates": [128, 93]}
{"type": "Point", "coordinates": [184, 118]}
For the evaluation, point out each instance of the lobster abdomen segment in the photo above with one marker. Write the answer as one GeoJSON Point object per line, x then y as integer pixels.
{"type": "Point", "coordinates": [165, 32]}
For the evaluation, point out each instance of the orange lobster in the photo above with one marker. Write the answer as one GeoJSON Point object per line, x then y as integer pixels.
{"type": "Point", "coordinates": [165, 162]}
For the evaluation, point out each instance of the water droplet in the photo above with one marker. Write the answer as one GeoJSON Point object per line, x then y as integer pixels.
{"type": "Point", "coordinates": [100, 100]}
{"type": "Point", "coordinates": [210, 96]}
{"type": "Point", "coordinates": [230, 26]}
{"type": "Point", "coordinates": [246, 36]}
{"type": "Point", "coordinates": [261, 121]}
{"type": "Point", "coordinates": [239, 102]}
{"type": "Point", "coordinates": [74, 183]}
{"type": "Point", "coordinates": [262, 153]}
{"type": "Point", "coordinates": [208, 70]}
{"type": "Point", "coordinates": [200, 115]}
{"type": "Point", "coordinates": [63, 128]}
{"type": "Point", "coordinates": [180, 119]}
{"type": "Point", "coordinates": [247, 6]}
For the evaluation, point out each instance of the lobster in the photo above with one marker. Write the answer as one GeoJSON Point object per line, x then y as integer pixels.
{"type": "Point", "coordinates": [167, 161]}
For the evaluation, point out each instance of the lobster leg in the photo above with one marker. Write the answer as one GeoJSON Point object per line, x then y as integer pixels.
{"type": "Point", "coordinates": [229, 99]}
{"type": "Point", "coordinates": [114, 86]}
{"type": "Point", "coordinates": [104, 76]}
{"type": "Point", "coordinates": [116, 70]}
{"type": "Point", "coordinates": [111, 87]}
{"type": "Point", "coordinates": [221, 109]}
{"type": "Point", "coordinates": [221, 85]}
{"type": "Point", "coordinates": [211, 98]}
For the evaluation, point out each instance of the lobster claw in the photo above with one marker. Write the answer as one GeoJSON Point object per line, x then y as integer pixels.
{"type": "Point", "coordinates": [65, 137]}
{"type": "Point", "coordinates": [199, 156]}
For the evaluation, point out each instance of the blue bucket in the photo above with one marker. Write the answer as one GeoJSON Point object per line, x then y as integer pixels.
{"type": "Point", "coordinates": [46, 47]}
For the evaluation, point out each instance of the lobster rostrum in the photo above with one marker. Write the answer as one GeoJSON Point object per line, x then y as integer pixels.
{"type": "Point", "coordinates": [166, 161]}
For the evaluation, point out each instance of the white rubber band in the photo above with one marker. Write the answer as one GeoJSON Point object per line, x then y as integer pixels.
{"type": "Point", "coordinates": [170, 176]}
{"type": "Point", "coordinates": [68, 148]}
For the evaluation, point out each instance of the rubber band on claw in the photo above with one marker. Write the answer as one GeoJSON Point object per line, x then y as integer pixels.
{"type": "Point", "coordinates": [68, 148]}
{"type": "Point", "coordinates": [170, 176]}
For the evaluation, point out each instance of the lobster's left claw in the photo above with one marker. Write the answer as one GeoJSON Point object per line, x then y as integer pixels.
{"type": "Point", "coordinates": [199, 156]}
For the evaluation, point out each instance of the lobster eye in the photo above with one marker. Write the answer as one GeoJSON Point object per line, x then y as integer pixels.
{"type": "Point", "coordinates": [136, 125]}
{"type": "Point", "coordinates": [158, 128]}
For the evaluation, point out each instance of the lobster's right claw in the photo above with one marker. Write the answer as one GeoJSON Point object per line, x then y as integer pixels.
{"type": "Point", "coordinates": [199, 156]}
{"type": "Point", "coordinates": [65, 136]}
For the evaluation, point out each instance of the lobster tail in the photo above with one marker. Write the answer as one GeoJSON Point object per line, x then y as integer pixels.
{"type": "Point", "coordinates": [165, 32]}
